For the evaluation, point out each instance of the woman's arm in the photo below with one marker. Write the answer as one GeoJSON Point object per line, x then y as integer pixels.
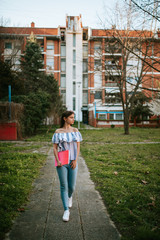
{"type": "Point", "coordinates": [55, 151]}
{"type": "Point", "coordinates": [78, 150]}
{"type": "Point", "coordinates": [74, 163]}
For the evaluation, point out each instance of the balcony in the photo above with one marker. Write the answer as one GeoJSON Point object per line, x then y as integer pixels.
{"type": "Point", "coordinates": [113, 67]}
{"type": "Point", "coordinates": [113, 100]}
{"type": "Point", "coordinates": [111, 84]}
{"type": "Point", "coordinates": [113, 50]}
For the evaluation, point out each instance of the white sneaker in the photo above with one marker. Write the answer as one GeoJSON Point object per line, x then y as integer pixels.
{"type": "Point", "coordinates": [70, 202]}
{"type": "Point", "coordinates": [66, 216]}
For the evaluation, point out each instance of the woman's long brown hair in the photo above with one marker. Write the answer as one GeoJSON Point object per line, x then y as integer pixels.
{"type": "Point", "coordinates": [65, 114]}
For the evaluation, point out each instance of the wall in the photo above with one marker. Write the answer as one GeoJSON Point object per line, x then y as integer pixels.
{"type": "Point", "coordinates": [8, 131]}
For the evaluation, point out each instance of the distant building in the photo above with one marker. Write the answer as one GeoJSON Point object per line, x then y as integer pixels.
{"type": "Point", "coordinates": [86, 63]}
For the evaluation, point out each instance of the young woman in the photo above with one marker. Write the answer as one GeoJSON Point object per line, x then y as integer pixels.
{"type": "Point", "coordinates": [67, 138]}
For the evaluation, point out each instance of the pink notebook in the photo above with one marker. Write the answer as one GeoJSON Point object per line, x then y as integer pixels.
{"type": "Point", "coordinates": [63, 157]}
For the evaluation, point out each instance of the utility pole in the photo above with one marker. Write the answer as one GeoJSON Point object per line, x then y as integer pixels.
{"type": "Point", "coordinates": [78, 104]}
{"type": "Point", "coordinates": [9, 99]}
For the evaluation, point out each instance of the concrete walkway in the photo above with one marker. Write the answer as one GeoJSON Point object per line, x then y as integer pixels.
{"type": "Point", "coordinates": [42, 219]}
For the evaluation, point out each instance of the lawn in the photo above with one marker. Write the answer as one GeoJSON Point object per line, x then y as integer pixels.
{"type": "Point", "coordinates": [126, 174]}
{"type": "Point", "coordinates": [109, 135]}
{"type": "Point", "coordinates": [19, 166]}
{"type": "Point", "coordinates": [127, 177]}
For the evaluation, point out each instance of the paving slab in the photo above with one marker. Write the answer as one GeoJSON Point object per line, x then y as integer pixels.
{"type": "Point", "coordinates": [42, 219]}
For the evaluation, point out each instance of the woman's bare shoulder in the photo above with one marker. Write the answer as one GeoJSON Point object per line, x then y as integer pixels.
{"type": "Point", "coordinates": [75, 129]}
{"type": "Point", "coordinates": [59, 130]}
{"type": "Point", "coordinates": [62, 130]}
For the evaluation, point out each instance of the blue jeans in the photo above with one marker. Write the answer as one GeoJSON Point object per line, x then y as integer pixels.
{"type": "Point", "coordinates": [67, 178]}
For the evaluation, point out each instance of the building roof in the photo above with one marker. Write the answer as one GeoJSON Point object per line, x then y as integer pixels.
{"type": "Point", "coordinates": [28, 30]}
{"type": "Point", "coordinates": [122, 33]}
{"type": "Point", "coordinates": [95, 33]}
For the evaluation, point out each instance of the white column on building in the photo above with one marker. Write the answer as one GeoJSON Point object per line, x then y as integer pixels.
{"type": "Point", "coordinates": [69, 70]}
{"type": "Point", "coordinates": [74, 32]}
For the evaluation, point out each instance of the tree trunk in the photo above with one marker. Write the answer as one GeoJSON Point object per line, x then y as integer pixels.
{"type": "Point", "coordinates": [126, 122]}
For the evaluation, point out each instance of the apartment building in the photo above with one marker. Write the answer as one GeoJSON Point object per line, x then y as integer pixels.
{"type": "Point", "coordinates": [88, 63]}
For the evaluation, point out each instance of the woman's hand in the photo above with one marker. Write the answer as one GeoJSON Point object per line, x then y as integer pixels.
{"type": "Point", "coordinates": [59, 164]}
{"type": "Point", "coordinates": [73, 164]}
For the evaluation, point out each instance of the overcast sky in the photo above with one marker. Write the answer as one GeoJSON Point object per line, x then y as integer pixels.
{"type": "Point", "coordinates": [52, 13]}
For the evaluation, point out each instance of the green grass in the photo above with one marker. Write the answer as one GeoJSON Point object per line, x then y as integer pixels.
{"type": "Point", "coordinates": [17, 172]}
{"type": "Point", "coordinates": [128, 179]}
{"type": "Point", "coordinates": [5, 147]}
{"type": "Point", "coordinates": [126, 175]}
{"type": "Point", "coordinates": [103, 135]}
{"type": "Point", "coordinates": [109, 135]}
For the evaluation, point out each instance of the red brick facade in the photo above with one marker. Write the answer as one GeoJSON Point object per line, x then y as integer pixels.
{"type": "Point", "coordinates": [150, 47]}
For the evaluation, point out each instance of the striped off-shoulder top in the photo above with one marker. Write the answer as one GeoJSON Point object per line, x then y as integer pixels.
{"type": "Point", "coordinates": [68, 141]}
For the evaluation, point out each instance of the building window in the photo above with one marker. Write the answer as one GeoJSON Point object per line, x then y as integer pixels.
{"type": "Point", "coordinates": [50, 45]}
{"type": "Point", "coordinates": [119, 116]}
{"type": "Point", "coordinates": [112, 47]}
{"type": "Point", "coordinates": [74, 40]}
{"type": "Point", "coordinates": [97, 50]}
{"type": "Point", "coordinates": [85, 96]}
{"type": "Point", "coordinates": [145, 118]}
{"type": "Point", "coordinates": [85, 66]}
{"type": "Point", "coordinates": [102, 116]}
{"type": "Point", "coordinates": [74, 72]}
{"type": "Point", "coordinates": [74, 103]}
{"type": "Point", "coordinates": [63, 65]}
{"type": "Point", "coordinates": [17, 46]}
{"type": "Point", "coordinates": [63, 93]}
{"type": "Point", "coordinates": [97, 64]}
{"type": "Point", "coordinates": [8, 45]}
{"type": "Point", "coordinates": [98, 95]}
{"type": "Point", "coordinates": [62, 35]}
{"type": "Point", "coordinates": [112, 64]}
{"type": "Point", "coordinates": [74, 56]}
{"type": "Point", "coordinates": [74, 88]}
{"type": "Point", "coordinates": [97, 47]}
{"type": "Point", "coordinates": [50, 63]}
{"type": "Point", "coordinates": [85, 50]}
{"type": "Point", "coordinates": [85, 80]}
{"type": "Point", "coordinates": [63, 50]}
{"type": "Point", "coordinates": [85, 35]}
{"type": "Point", "coordinates": [97, 81]}
{"type": "Point", "coordinates": [111, 116]}
{"type": "Point", "coordinates": [63, 80]}
{"type": "Point", "coordinates": [112, 80]}
{"type": "Point", "coordinates": [113, 98]}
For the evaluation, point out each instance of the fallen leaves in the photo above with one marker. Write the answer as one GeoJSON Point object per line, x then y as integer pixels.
{"type": "Point", "coordinates": [21, 209]}
{"type": "Point", "coordinates": [144, 182]}
{"type": "Point", "coordinates": [152, 204]}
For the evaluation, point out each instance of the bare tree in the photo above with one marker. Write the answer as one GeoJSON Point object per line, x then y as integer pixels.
{"type": "Point", "coordinates": [150, 9]}
{"type": "Point", "coordinates": [11, 44]}
{"type": "Point", "coordinates": [131, 60]}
